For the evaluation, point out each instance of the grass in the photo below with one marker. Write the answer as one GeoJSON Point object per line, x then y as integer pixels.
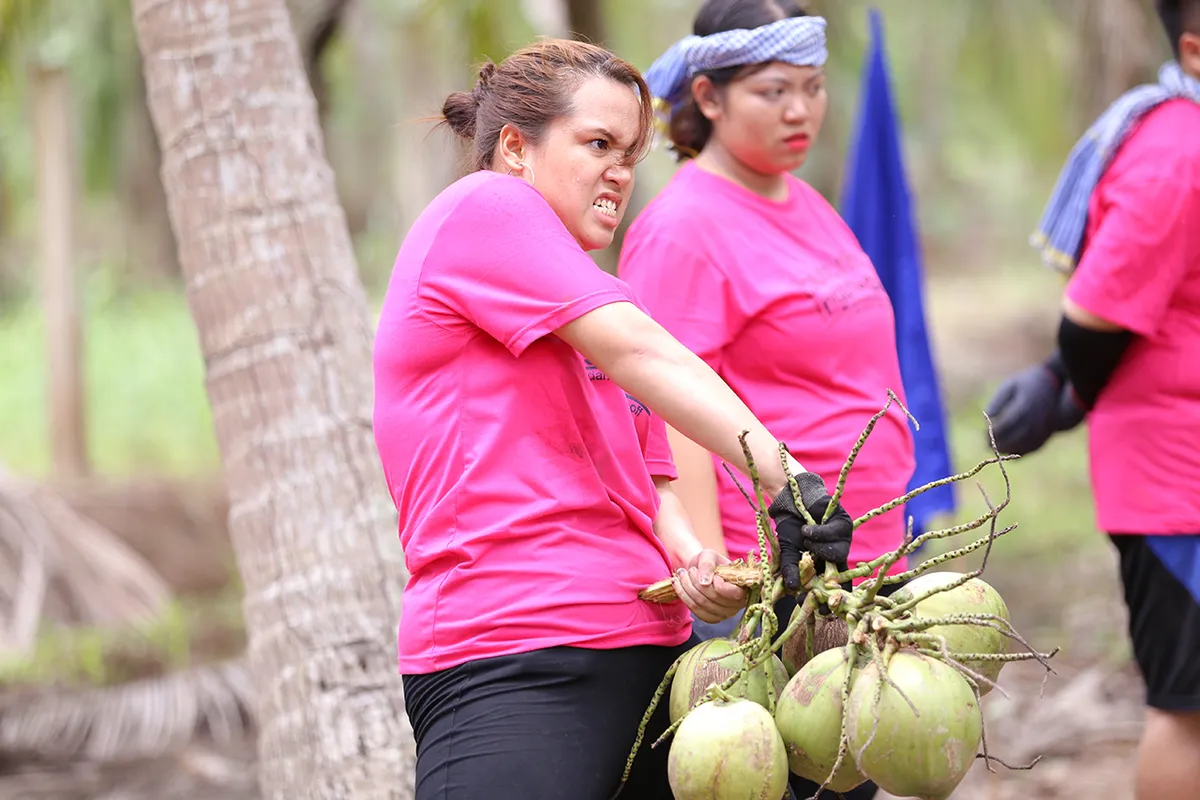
{"type": "Point", "coordinates": [186, 632]}
{"type": "Point", "coordinates": [146, 408]}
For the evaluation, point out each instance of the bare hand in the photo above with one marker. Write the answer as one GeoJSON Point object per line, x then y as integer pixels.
{"type": "Point", "coordinates": [711, 598]}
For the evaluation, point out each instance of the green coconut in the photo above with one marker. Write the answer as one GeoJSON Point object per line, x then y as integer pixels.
{"type": "Point", "coordinates": [923, 755]}
{"type": "Point", "coordinates": [727, 750]}
{"type": "Point", "coordinates": [973, 597]}
{"type": "Point", "coordinates": [829, 632]}
{"type": "Point", "coordinates": [809, 718]}
{"type": "Point", "coordinates": [714, 661]}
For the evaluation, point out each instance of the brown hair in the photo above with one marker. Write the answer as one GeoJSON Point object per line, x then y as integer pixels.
{"type": "Point", "coordinates": [1178, 17]}
{"type": "Point", "coordinates": [689, 129]}
{"type": "Point", "coordinates": [533, 87]}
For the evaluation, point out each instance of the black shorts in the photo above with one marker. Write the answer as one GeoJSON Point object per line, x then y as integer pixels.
{"type": "Point", "coordinates": [552, 724]}
{"type": "Point", "coordinates": [1161, 578]}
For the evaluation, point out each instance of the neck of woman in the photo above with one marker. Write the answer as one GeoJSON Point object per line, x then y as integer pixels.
{"type": "Point", "coordinates": [719, 161]}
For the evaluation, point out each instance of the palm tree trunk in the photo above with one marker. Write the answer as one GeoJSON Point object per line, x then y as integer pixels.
{"type": "Point", "coordinates": [286, 335]}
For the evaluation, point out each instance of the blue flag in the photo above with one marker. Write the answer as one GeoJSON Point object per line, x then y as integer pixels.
{"type": "Point", "coordinates": [877, 206]}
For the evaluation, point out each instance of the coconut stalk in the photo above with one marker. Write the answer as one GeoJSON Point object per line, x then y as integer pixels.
{"type": "Point", "coordinates": [61, 567]}
{"type": "Point", "coordinates": [888, 641]}
{"type": "Point", "coordinates": [147, 718]}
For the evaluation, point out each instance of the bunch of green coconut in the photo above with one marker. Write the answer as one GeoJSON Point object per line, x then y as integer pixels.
{"type": "Point", "coordinates": [859, 685]}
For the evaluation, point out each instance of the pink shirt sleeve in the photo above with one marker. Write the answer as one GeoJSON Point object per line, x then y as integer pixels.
{"type": "Point", "coordinates": [506, 264]}
{"type": "Point", "coordinates": [659, 460]}
{"type": "Point", "coordinates": [683, 291]}
{"type": "Point", "coordinates": [1143, 244]}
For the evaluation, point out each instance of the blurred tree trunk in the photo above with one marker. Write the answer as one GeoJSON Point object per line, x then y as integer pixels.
{"type": "Point", "coordinates": [317, 23]}
{"type": "Point", "coordinates": [429, 59]}
{"type": "Point", "coordinates": [585, 19]}
{"type": "Point", "coordinates": [286, 336]}
{"type": "Point", "coordinates": [151, 243]}
{"type": "Point", "coordinates": [58, 203]}
{"type": "Point", "coordinates": [1115, 51]}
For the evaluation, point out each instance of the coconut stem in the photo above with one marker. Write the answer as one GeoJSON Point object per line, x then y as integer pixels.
{"type": "Point", "coordinates": [795, 487]}
{"type": "Point", "coordinates": [750, 616]}
{"type": "Point", "coordinates": [938, 560]}
{"type": "Point", "coordinates": [810, 635]}
{"type": "Point", "coordinates": [1006, 657]}
{"type": "Point", "coordinates": [942, 653]}
{"type": "Point", "coordinates": [868, 568]}
{"type": "Point", "coordinates": [851, 655]}
{"type": "Point", "coordinates": [891, 646]}
{"type": "Point", "coordinates": [769, 682]}
{"type": "Point", "coordinates": [807, 609]}
{"type": "Point", "coordinates": [921, 624]}
{"type": "Point", "coordinates": [1005, 764]}
{"type": "Point", "coordinates": [641, 731]}
{"type": "Point", "coordinates": [760, 511]}
{"type": "Point", "coordinates": [858, 446]}
{"type": "Point", "coordinates": [900, 608]}
{"type": "Point", "coordinates": [870, 587]}
{"type": "Point", "coordinates": [877, 657]}
{"type": "Point", "coordinates": [920, 490]}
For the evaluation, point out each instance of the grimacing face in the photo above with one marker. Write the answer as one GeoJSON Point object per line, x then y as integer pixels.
{"type": "Point", "coordinates": [768, 119]}
{"type": "Point", "coordinates": [584, 164]}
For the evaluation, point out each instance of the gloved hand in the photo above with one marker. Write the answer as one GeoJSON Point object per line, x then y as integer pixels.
{"type": "Point", "coordinates": [827, 542]}
{"type": "Point", "coordinates": [1033, 405]}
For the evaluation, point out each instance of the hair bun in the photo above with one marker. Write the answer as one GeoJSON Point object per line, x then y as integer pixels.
{"type": "Point", "coordinates": [459, 112]}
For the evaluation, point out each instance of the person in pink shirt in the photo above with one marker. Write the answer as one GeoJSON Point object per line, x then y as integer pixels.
{"type": "Point", "coordinates": [521, 402]}
{"type": "Point", "coordinates": [757, 274]}
{"type": "Point", "coordinates": [736, 255]}
{"type": "Point", "coordinates": [1124, 224]}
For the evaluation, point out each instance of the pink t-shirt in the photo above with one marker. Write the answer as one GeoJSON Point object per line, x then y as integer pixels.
{"type": "Point", "coordinates": [521, 474]}
{"type": "Point", "coordinates": [780, 300]}
{"type": "Point", "coordinates": [1140, 269]}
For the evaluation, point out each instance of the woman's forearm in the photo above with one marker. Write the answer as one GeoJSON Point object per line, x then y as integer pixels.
{"type": "Point", "coordinates": [673, 527]}
{"type": "Point", "coordinates": [641, 357]}
{"type": "Point", "coordinates": [696, 489]}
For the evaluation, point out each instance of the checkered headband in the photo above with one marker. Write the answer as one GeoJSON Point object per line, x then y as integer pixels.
{"type": "Point", "coordinates": [794, 40]}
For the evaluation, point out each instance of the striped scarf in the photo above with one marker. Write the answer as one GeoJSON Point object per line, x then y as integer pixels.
{"type": "Point", "coordinates": [794, 40]}
{"type": "Point", "coordinates": [1060, 233]}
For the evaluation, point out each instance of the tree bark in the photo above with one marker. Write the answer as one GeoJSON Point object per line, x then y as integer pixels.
{"type": "Point", "coordinates": [586, 20]}
{"type": "Point", "coordinates": [286, 336]}
{"type": "Point", "coordinates": [316, 23]}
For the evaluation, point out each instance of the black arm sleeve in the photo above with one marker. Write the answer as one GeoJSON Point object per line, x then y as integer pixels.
{"type": "Point", "coordinates": [1090, 357]}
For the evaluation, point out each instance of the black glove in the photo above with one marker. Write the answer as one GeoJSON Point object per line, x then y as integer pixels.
{"type": "Point", "coordinates": [1033, 405]}
{"type": "Point", "coordinates": [827, 542]}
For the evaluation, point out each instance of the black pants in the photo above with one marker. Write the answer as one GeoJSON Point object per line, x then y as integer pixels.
{"type": "Point", "coordinates": [553, 724]}
{"type": "Point", "coordinates": [1161, 579]}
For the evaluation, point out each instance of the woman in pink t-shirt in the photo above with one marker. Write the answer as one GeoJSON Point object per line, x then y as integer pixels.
{"type": "Point", "coordinates": [521, 403]}
{"type": "Point", "coordinates": [754, 271]}
{"type": "Point", "coordinates": [745, 264]}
